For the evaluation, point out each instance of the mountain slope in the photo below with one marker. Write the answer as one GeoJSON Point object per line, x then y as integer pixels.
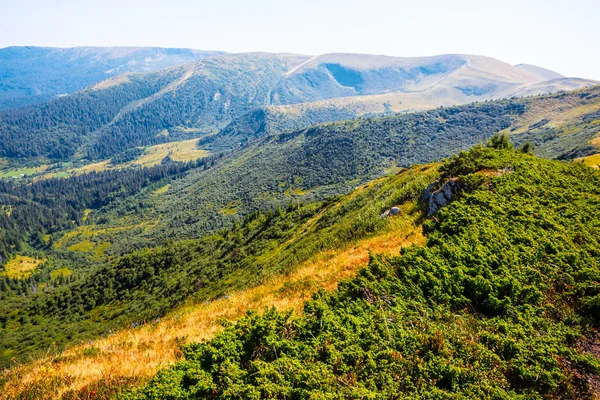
{"type": "Point", "coordinates": [542, 73]}
{"type": "Point", "coordinates": [342, 75]}
{"type": "Point", "coordinates": [501, 299]}
{"type": "Point", "coordinates": [31, 75]}
{"type": "Point", "coordinates": [501, 302]}
{"type": "Point", "coordinates": [200, 98]}
{"type": "Point", "coordinates": [135, 110]}
{"type": "Point", "coordinates": [257, 256]}
{"type": "Point", "coordinates": [330, 159]}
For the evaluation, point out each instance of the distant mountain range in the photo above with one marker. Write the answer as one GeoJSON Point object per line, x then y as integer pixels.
{"type": "Point", "coordinates": [31, 75]}
{"type": "Point", "coordinates": [202, 97]}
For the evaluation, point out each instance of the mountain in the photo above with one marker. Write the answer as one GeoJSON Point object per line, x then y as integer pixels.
{"type": "Point", "coordinates": [542, 73]}
{"type": "Point", "coordinates": [502, 301]}
{"type": "Point", "coordinates": [31, 74]}
{"type": "Point", "coordinates": [97, 252]}
{"type": "Point", "coordinates": [203, 97]}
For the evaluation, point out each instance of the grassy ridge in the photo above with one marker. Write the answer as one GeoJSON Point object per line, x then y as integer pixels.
{"type": "Point", "coordinates": [497, 304]}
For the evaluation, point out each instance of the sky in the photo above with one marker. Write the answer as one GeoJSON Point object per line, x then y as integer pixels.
{"type": "Point", "coordinates": [560, 35]}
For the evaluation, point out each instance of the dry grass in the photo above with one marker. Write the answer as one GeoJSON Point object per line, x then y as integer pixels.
{"type": "Point", "coordinates": [114, 81]}
{"type": "Point", "coordinates": [179, 151]}
{"type": "Point", "coordinates": [592, 161]}
{"type": "Point", "coordinates": [21, 266]}
{"type": "Point", "coordinates": [162, 190]}
{"type": "Point", "coordinates": [134, 355]}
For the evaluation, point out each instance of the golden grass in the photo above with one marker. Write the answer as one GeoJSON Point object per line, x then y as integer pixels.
{"type": "Point", "coordinates": [21, 266]}
{"type": "Point", "coordinates": [591, 161]}
{"type": "Point", "coordinates": [231, 208]}
{"type": "Point", "coordinates": [179, 151]}
{"type": "Point", "coordinates": [85, 246]}
{"type": "Point", "coordinates": [17, 173]}
{"type": "Point", "coordinates": [163, 189]}
{"type": "Point", "coordinates": [136, 354]}
{"type": "Point", "coordinates": [64, 272]}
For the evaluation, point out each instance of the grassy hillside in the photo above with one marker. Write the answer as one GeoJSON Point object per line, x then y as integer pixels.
{"type": "Point", "coordinates": [213, 226]}
{"type": "Point", "coordinates": [563, 126]}
{"type": "Point", "coordinates": [305, 165]}
{"type": "Point", "coordinates": [501, 302]}
{"type": "Point", "coordinates": [142, 109]}
{"type": "Point", "coordinates": [558, 110]}
{"type": "Point", "coordinates": [330, 159]}
{"type": "Point", "coordinates": [282, 257]}
{"type": "Point", "coordinates": [456, 78]}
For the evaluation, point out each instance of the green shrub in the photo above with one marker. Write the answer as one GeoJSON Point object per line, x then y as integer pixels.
{"type": "Point", "coordinates": [493, 305]}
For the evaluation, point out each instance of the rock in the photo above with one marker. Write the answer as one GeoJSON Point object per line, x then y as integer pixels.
{"type": "Point", "coordinates": [392, 211]}
{"type": "Point", "coordinates": [437, 199]}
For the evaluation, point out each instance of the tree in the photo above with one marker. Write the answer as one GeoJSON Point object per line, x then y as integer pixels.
{"type": "Point", "coordinates": [500, 141]}
{"type": "Point", "coordinates": [527, 148]}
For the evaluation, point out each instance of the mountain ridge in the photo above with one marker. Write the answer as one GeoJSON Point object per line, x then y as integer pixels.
{"type": "Point", "coordinates": [199, 98]}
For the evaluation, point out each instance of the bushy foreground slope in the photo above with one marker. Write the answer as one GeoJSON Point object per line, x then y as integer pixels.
{"type": "Point", "coordinates": [501, 302]}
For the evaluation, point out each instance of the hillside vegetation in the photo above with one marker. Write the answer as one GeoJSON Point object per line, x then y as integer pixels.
{"type": "Point", "coordinates": [278, 258]}
{"type": "Point", "coordinates": [501, 302]}
{"type": "Point", "coordinates": [330, 159]}
{"type": "Point", "coordinates": [92, 253]}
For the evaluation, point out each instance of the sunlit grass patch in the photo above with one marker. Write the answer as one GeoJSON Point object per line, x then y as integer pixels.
{"type": "Point", "coordinates": [163, 189]}
{"type": "Point", "coordinates": [21, 266]}
{"type": "Point", "coordinates": [591, 161]}
{"type": "Point", "coordinates": [64, 272]}
{"type": "Point", "coordinates": [231, 208]}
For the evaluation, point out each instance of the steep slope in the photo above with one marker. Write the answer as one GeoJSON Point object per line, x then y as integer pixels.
{"type": "Point", "coordinates": [36, 74]}
{"type": "Point", "coordinates": [543, 73]}
{"type": "Point", "coordinates": [458, 76]}
{"type": "Point", "coordinates": [569, 108]}
{"type": "Point", "coordinates": [564, 125]}
{"type": "Point", "coordinates": [330, 159]}
{"type": "Point", "coordinates": [501, 302]}
{"type": "Point", "coordinates": [308, 164]}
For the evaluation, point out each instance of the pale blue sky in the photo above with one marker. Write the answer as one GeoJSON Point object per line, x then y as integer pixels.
{"type": "Point", "coordinates": [560, 35]}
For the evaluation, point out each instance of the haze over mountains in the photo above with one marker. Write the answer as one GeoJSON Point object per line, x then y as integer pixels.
{"type": "Point", "coordinates": [36, 74]}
